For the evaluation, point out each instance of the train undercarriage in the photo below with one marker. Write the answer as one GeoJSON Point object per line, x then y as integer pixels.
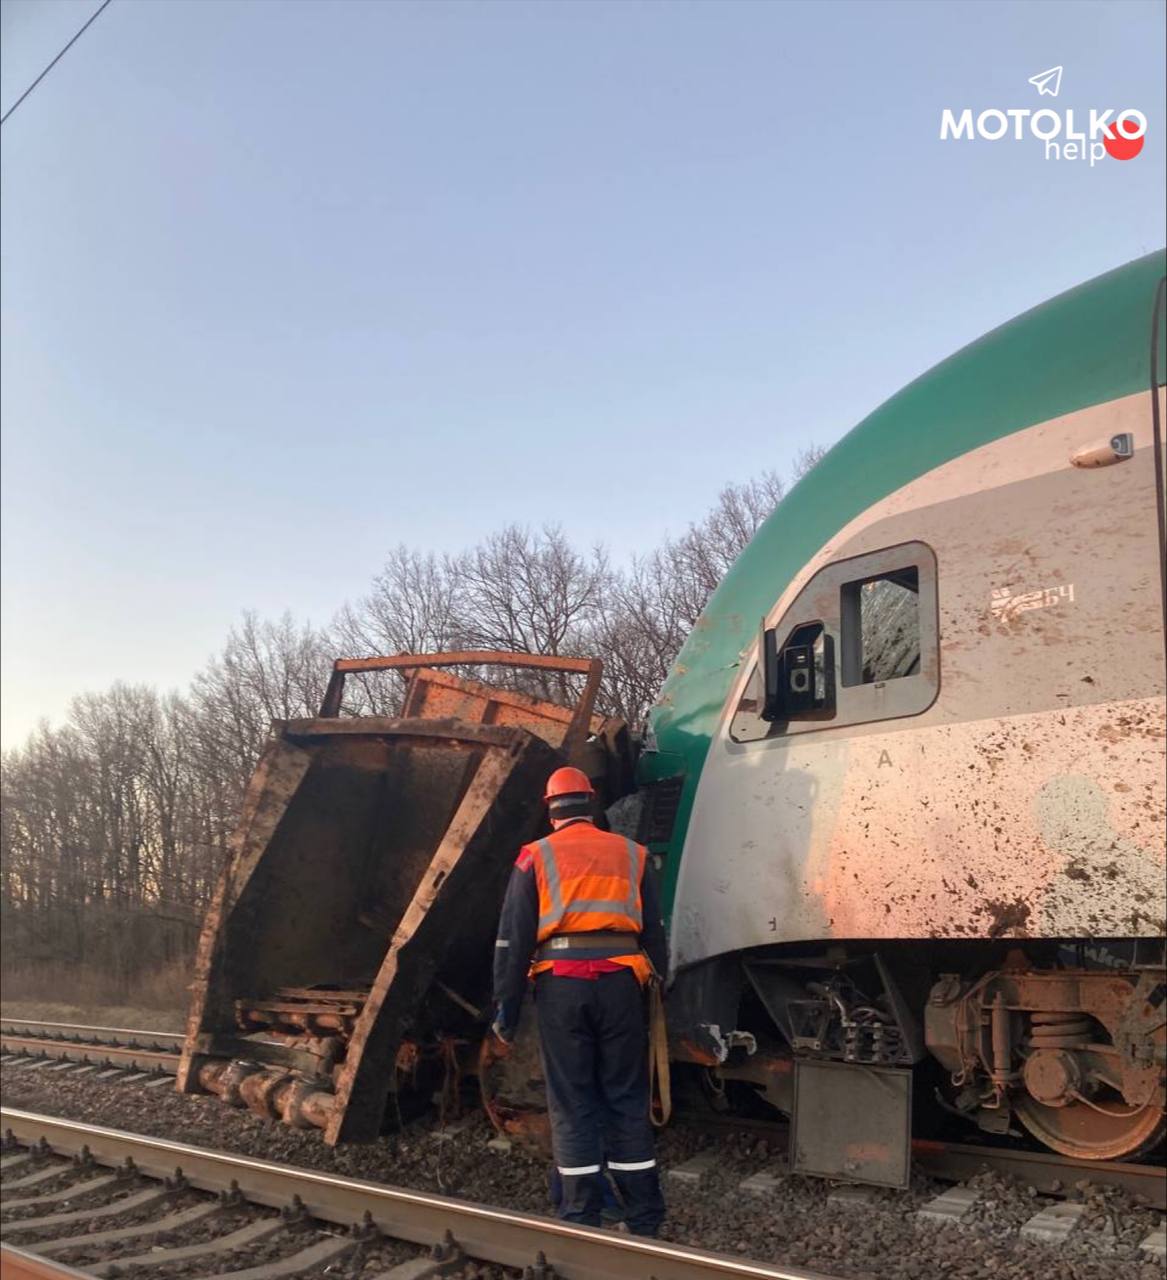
{"type": "Point", "coordinates": [1061, 1041]}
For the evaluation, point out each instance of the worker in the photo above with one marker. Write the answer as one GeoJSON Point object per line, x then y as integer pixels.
{"type": "Point", "coordinates": [583, 902]}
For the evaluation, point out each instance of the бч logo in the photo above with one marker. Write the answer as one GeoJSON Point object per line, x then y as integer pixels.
{"type": "Point", "coordinates": [1115, 134]}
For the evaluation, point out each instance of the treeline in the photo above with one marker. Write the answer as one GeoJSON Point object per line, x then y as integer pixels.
{"type": "Point", "coordinates": [113, 826]}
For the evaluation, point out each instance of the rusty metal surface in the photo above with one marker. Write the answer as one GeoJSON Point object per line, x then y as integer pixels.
{"type": "Point", "coordinates": [367, 873]}
{"type": "Point", "coordinates": [466, 658]}
{"type": "Point", "coordinates": [18, 1264]}
{"type": "Point", "coordinates": [276, 778]}
{"type": "Point", "coordinates": [852, 1122]}
{"type": "Point", "coordinates": [454, 734]}
{"type": "Point", "coordinates": [772, 1073]}
{"type": "Point", "coordinates": [356, 881]}
{"type": "Point", "coordinates": [578, 725]}
{"type": "Point", "coordinates": [488, 1234]}
{"type": "Point", "coordinates": [1078, 1055]}
{"type": "Point", "coordinates": [309, 1013]}
{"type": "Point", "coordinates": [434, 695]}
{"type": "Point", "coordinates": [442, 922]}
{"type": "Point", "coordinates": [513, 1090]}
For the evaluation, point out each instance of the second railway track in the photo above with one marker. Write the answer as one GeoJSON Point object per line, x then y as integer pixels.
{"type": "Point", "coordinates": [153, 1051]}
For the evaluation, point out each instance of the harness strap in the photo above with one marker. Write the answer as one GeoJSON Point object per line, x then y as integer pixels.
{"type": "Point", "coordinates": [660, 1092]}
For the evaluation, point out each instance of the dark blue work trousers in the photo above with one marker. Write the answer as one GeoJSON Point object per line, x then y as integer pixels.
{"type": "Point", "coordinates": [594, 1039]}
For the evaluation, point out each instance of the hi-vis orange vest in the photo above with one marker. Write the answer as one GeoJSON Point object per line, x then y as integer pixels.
{"type": "Point", "coordinates": [588, 880]}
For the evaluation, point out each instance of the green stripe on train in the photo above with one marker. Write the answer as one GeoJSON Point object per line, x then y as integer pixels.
{"type": "Point", "coordinates": [1084, 347]}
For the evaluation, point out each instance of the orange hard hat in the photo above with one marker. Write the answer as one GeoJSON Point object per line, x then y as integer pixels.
{"type": "Point", "coordinates": [568, 782]}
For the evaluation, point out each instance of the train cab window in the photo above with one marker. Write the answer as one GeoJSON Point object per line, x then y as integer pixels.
{"type": "Point", "coordinates": [881, 627]}
{"type": "Point", "coordinates": [860, 642]}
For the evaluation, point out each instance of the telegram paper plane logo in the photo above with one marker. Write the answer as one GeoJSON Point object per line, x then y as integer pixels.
{"type": "Point", "coordinates": [1047, 81]}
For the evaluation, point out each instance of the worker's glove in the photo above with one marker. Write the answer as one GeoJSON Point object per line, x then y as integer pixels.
{"type": "Point", "coordinates": [506, 1020]}
{"type": "Point", "coordinates": [495, 1046]}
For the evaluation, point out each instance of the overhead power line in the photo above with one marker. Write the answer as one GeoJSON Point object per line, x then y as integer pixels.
{"type": "Point", "coordinates": [92, 18]}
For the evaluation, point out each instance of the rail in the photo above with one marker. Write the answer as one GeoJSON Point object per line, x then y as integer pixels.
{"type": "Point", "coordinates": [483, 1233]}
{"type": "Point", "coordinates": [74, 1030]}
{"type": "Point", "coordinates": [104, 1046]}
{"type": "Point", "coordinates": [1049, 1173]}
{"type": "Point", "coordinates": [19, 1264]}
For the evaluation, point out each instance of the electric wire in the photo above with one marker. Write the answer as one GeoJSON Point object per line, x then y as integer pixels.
{"type": "Point", "coordinates": [92, 19]}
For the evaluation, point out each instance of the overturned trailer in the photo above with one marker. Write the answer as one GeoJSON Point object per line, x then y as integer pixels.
{"type": "Point", "coordinates": [344, 965]}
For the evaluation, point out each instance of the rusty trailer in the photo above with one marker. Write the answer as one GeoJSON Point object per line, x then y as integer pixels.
{"type": "Point", "coordinates": [344, 964]}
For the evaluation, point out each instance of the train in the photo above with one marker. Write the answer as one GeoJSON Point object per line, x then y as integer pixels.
{"type": "Point", "coordinates": [906, 778]}
{"type": "Point", "coordinates": [904, 786]}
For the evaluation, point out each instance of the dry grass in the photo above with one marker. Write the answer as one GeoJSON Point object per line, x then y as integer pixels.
{"type": "Point", "coordinates": [157, 1001]}
{"type": "Point", "coordinates": [95, 1015]}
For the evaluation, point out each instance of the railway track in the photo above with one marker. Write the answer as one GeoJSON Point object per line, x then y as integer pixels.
{"type": "Point", "coordinates": [739, 1189]}
{"type": "Point", "coordinates": [1048, 1173]}
{"type": "Point", "coordinates": [96, 1047]}
{"type": "Point", "coordinates": [457, 1235]}
{"type": "Point", "coordinates": [158, 1052]}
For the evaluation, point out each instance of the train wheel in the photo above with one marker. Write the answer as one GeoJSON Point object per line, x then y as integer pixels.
{"type": "Point", "coordinates": [1098, 1131]}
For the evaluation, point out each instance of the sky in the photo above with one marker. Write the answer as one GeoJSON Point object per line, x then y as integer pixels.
{"type": "Point", "coordinates": [285, 284]}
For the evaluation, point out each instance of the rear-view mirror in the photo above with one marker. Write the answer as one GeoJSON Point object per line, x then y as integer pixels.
{"type": "Point", "coordinates": [799, 677]}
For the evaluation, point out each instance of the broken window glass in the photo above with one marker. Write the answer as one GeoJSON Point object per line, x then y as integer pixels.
{"type": "Point", "coordinates": [881, 627]}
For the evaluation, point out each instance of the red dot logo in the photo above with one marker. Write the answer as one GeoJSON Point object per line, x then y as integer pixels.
{"type": "Point", "coordinates": [1120, 139]}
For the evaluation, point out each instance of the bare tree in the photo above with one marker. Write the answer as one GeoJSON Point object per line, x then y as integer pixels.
{"type": "Point", "coordinates": [266, 671]}
{"type": "Point", "coordinates": [114, 826]}
{"type": "Point", "coordinates": [529, 593]}
{"type": "Point", "coordinates": [807, 459]}
{"type": "Point", "coordinates": [413, 607]}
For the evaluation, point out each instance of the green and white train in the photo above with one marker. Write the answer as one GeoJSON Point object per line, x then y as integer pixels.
{"type": "Point", "coordinates": [907, 781]}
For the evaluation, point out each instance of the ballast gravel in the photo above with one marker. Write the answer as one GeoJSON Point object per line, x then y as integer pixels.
{"type": "Point", "coordinates": [796, 1224]}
